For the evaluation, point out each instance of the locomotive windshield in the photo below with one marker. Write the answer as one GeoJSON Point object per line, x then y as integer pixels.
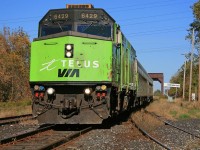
{"type": "Point", "coordinates": [52, 29]}
{"type": "Point", "coordinates": [95, 29]}
{"type": "Point", "coordinates": [89, 21]}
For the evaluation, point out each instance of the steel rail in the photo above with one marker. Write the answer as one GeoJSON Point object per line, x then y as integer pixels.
{"type": "Point", "coordinates": [168, 123]}
{"type": "Point", "coordinates": [149, 136]}
{"type": "Point", "coordinates": [14, 119]}
{"type": "Point", "coordinates": [66, 139]}
{"type": "Point", "coordinates": [24, 135]}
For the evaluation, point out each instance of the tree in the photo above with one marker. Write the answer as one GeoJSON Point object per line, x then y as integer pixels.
{"type": "Point", "coordinates": [157, 93]}
{"type": "Point", "coordinates": [14, 64]}
{"type": "Point", "coordinates": [196, 10]}
{"type": "Point", "coordinates": [178, 78]}
{"type": "Point", "coordinates": [196, 13]}
{"type": "Point", "coordinates": [195, 25]}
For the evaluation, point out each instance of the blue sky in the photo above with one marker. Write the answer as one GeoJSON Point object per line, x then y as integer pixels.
{"type": "Point", "coordinates": [156, 28]}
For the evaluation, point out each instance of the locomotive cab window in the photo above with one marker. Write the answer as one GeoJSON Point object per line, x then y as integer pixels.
{"type": "Point", "coordinates": [52, 29]}
{"type": "Point", "coordinates": [89, 21]}
{"type": "Point", "coordinates": [95, 29]}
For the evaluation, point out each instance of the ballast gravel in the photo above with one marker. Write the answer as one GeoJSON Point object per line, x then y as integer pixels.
{"type": "Point", "coordinates": [127, 137]}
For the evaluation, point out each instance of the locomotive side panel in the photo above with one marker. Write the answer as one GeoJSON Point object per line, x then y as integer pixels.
{"type": "Point", "coordinates": [128, 56]}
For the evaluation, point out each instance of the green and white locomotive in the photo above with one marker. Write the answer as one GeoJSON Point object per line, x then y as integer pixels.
{"type": "Point", "coordinates": [83, 70]}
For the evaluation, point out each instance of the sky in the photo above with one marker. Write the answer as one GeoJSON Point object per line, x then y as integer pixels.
{"type": "Point", "coordinates": [155, 28]}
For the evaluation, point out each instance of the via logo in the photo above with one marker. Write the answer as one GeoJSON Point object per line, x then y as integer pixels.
{"type": "Point", "coordinates": [68, 73]}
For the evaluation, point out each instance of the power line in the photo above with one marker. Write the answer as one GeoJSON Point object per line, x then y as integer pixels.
{"type": "Point", "coordinates": [20, 18]}
{"type": "Point", "coordinates": [161, 49]}
{"type": "Point", "coordinates": [162, 20]}
{"type": "Point", "coordinates": [161, 15]}
{"type": "Point", "coordinates": [146, 4]}
{"type": "Point", "coordinates": [153, 33]}
{"type": "Point", "coordinates": [145, 7]}
{"type": "Point", "coordinates": [125, 7]}
{"type": "Point", "coordinates": [24, 21]}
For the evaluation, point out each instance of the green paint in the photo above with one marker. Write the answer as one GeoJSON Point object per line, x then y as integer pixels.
{"type": "Point", "coordinates": [92, 57]}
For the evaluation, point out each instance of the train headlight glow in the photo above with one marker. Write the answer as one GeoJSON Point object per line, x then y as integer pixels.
{"type": "Point", "coordinates": [69, 50]}
{"type": "Point", "coordinates": [87, 91]}
{"type": "Point", "coordinates": [68, 54]}
{"type": "Point", "coordinates": [50, 91]}
{"type": "Point", "coordinates": [68, 47]}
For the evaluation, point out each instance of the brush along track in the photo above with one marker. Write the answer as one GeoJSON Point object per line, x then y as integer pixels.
{"type": "Point", "coordinates": [15, 119]}
{"type": "Point", "coordinates": [48, 139]}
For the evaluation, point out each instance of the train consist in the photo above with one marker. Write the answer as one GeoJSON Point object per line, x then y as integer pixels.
{"type": "Point", "coordinates": [83, 70]}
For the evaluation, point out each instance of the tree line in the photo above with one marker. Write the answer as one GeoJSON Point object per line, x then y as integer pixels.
{"type": "Point", "coordinates": [14, 64]}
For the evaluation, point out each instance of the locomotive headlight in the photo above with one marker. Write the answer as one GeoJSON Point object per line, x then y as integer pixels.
{"type": "Point", "coordinates": [50, 91]}
{"type": "Point", "coordinates": [69, 49]}
{"type": "Point", "coordinates": [68, 54]}
{"type": "Point", "coordinates": [88, 91]}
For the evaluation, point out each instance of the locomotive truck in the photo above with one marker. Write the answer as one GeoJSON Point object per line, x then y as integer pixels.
{"type": "Point", "coordinates": [83, 69]}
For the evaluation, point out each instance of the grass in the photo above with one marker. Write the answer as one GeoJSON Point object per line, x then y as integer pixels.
{"type": "Point", "coordinates": [184, 116]}
{"type": "Point", "coordinates": [173, 113]}
{"type": "Point", "coordinates": [13, 108]}
{"type": "Point", "coordinates": [176, 110]}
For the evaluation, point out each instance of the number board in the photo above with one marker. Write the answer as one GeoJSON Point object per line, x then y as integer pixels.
{"type": "Point", "coordinates": [61, 15]}
{"type": "Point", "coordinates": [89, 15]}
{"type": "Point", "coordinates": [76, 15]}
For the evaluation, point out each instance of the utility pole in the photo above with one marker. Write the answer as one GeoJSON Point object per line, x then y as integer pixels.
{"type": "Point", "coordinates": [184, 72]}
{"type": "Point", "coordinates": [184, 80]}
{"type": "Point", "coordinates": [199, 78]}
{"type": "Point", "coordinates": [191, 61]}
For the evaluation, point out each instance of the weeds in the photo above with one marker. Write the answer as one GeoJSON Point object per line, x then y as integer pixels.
{"type": "Point", "coordinates": [179, 109]}
{"type": "Point", "coordinates": [173, 113]}
{"type": "Point", "coordinates": [13, 108]}
{"type": "Point", "coordinates": [184, 116]}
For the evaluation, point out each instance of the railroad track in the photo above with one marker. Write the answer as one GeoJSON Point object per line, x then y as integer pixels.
{"type": "Point", "coordinates": [154, 137]}
{"type": "Point", "coordinates": [15, 119]}
{"type": "Point", "coordinates": [144, 132]}
{"type": "Point", "coordinates": [170, 124]}
{"type": "Point", "coordinates": [44, 138]}
{"type": "Point", "coordinates": [25, 134]}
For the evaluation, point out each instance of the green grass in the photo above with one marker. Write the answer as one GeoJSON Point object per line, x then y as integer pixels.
{"type": "Point", "coordinates": [173, 113]}
{"type": "Point", "coordinates": [13, 108]}
{"type": "Point", "coordinates": [193, 111]}
{"type": "Point", "coordinates": [184, 116]}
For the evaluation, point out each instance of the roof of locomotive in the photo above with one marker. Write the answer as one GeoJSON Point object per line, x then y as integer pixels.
{"type": "Point", "coordinates": [77, 14]}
